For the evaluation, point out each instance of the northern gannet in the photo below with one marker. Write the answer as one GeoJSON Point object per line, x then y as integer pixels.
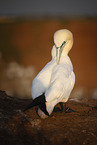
{"type": "Point", "coordinates": [55, 81]}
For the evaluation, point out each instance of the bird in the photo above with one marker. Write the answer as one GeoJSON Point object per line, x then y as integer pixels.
{"type": "Point", "coordinates": [55, 82]}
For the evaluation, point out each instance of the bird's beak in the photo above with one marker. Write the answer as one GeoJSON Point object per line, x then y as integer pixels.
{"type": "Point", "coordinates": [59, 51]}
{"type": "Point", "coordinates": [58, 54]}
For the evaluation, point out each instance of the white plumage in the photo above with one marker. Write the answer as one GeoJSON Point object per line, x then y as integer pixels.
{"type": "Point", "coordinates": [56, 80]}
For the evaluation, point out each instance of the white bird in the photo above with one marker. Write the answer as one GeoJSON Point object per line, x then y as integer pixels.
{"type": "Point", "coordinates": [56, 80]}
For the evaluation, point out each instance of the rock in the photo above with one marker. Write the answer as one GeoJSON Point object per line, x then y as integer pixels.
{"type": "Point", "coordinates": [17, 80]}
{"type": "Point", "coordinates": [18, 127]}
{"type": "Point", "coordinates": [93, 93]}
{"type": "Point", "coordinates": [78, 95]}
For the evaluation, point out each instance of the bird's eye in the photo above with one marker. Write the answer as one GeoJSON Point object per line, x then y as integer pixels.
{"type": "Point", "coordinates": [62, 44]}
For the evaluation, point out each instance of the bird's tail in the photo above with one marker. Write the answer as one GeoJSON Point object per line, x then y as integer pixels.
{"type": "Point", "coordinates": [40, 101]}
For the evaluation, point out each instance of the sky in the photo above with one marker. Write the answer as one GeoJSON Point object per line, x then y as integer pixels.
{"type": "Point", "coordinates": [48, 7]}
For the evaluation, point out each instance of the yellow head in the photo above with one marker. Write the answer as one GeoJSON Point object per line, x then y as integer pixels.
{"type": "Point", "coordinates": [63, 40]}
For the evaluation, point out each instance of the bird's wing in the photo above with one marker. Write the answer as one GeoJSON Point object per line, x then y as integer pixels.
{"type": "Point", "coordinates": [41, 81]}
{"type": "Point", "coordinates": [59, 83]}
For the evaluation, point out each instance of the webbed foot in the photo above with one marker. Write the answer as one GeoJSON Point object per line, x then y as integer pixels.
{"type": "Point", "coordinates": [69, 110]}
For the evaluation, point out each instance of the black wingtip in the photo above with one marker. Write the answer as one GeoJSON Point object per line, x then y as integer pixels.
{"type": "Point", "coordinates": [43, 108]}
{"type": "Point", "coordinates": [28, 107]}
{"type": "Point", "coordinates": [40, 101]}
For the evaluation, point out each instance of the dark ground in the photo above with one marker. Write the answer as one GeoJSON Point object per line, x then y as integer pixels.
{"type": "Point", "coordinates": [19, 128]}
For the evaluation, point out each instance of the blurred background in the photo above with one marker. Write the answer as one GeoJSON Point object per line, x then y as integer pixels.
{"type": "Point", "coordinates": [26, 40]}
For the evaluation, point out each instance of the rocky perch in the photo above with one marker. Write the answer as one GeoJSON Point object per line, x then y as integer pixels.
{"type": "Point", "coordinates": [25, 128]}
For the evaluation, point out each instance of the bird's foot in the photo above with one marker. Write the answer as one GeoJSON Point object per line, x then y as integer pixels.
{"type": "Point", "coordinates": [69, 110]}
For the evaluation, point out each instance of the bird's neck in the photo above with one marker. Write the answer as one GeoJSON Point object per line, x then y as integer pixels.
{"type": "Point", "coordinates": [64, 59]}
{"type": "Point", "coordinates": [64, 55]}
